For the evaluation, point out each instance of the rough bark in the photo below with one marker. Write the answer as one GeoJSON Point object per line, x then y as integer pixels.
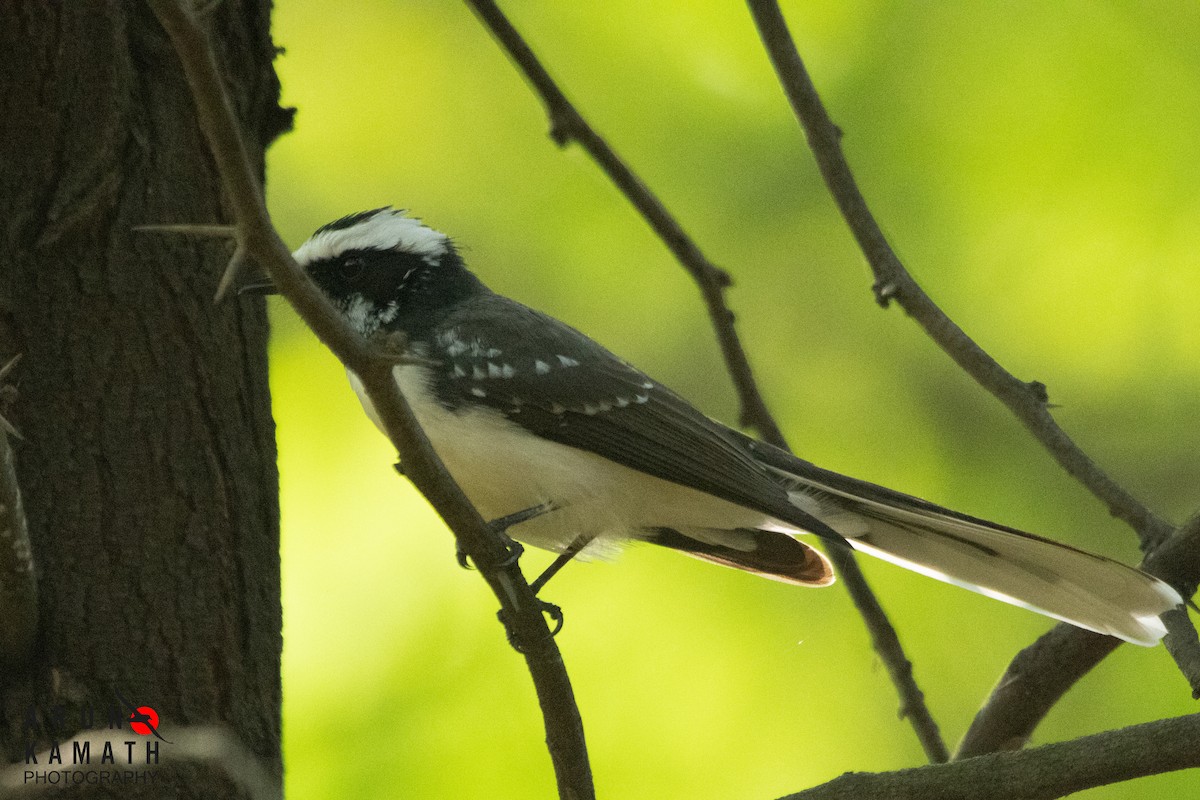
{"type": "Point", "coordinates": [148, 459]}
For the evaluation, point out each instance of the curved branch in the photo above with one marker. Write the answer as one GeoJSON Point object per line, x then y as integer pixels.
{"type": "Point", "coordinates": [1042, 673]}
{"type": "Point", "coordinates": [1027, 401]}
{"type": "Point", "coordinates": [886, 643]}
{"type": "Point", "coordinates": [258, 240]}
{"type": "Point", "coordinates": [1050, 666]}
{"type": "Point", "coordinates": [566, 125]}
{"type": "Point", "coordinates": [1041, 773]}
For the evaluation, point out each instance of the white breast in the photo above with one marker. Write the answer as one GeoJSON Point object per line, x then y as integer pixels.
{"type": "Point", "coordinates": [504, 469]}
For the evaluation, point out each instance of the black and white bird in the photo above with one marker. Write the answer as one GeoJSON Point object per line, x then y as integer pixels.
{"type": "Point", "coordinates": [526, 411]}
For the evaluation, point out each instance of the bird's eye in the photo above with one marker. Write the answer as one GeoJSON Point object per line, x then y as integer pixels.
{"type": "Point", "coordinates": [352, 268]}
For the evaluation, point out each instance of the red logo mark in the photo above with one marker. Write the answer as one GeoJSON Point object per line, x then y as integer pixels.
{"type": "Point", "coordinates": [144, 721]}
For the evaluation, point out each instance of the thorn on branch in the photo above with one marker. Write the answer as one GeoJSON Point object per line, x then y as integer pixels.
{"type": "Point", "coordinates": [1039, 392]}
{"type": "Point", "coordinates": [208, 231]}
{"type": "Point", "coordinates": [885, 293]}
{"type": "Point", "coordinates": [232, 270]}
{"type": "Point", "coordinates": [561, 131]}
{"type": "Point", "coordinates": [206, 8]}
{"type": "Point", "coordinates": [721, 278]}
{"type": "Point", "coordinates": [200, 231]}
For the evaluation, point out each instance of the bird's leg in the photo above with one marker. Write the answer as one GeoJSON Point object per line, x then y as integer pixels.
{"type": "Point", "coordinates": [573, 549]}
{"type": "Point", "coordinates": [502, 524]}
{"type": "Point", "coordinates": [550, 609]}
{"type": "Point", "coordinates": [500, 527]}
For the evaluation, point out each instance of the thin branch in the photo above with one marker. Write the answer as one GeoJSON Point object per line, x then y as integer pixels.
{"type": "Point", "coordinates": [1028, 401]}
{"type": "Point", "coordinates": [520, 608]}
{"type": "Point", "coordinates": [1050, 666]}
{"type": "Point", "coordinates": [1177, 561]}
{"type": "Point", "coordinates": [1032, 684]}
{"type": "Point", "coordinates": [1042, 673]}
{"type": "Point", "coordinates": [567, 125]}
{"type": "Point", "coordinates": [886, 642]}
{"type": "Point", "coordinates": [1040, 773]}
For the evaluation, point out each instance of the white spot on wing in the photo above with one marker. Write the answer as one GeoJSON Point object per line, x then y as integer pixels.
{"type": "Point", "coordinates": [493, 371]}
{"type": "Point", "coordinates": [641, 398]}
{"type": "Point", "coordinates": [459, 372]}
{"type": "Point", "coordinates": [541, 367]}
{"type": "Point", "coordinates": [507, 371]}
{"type": "Point", "coordinates": [567, 361]}
{"type": "Point", "coordinates": [478, 392]}
{"type": "Point", "coordinates": [449, 340]}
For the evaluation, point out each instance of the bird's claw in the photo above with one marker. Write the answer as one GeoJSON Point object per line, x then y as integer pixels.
{"type": "Point", "coordinates": [462, 557]}
{"type": "Point", "coordinates": [554, 612]}
{"type": "Point", "coordinates": [513, 550]}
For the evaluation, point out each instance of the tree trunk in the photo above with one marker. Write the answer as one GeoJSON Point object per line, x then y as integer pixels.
{"type": "Point", "coordinates": [147, 462]}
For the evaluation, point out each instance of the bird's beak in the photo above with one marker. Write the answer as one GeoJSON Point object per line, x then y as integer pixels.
{"type": "Point", "coordinates": [259, 284]}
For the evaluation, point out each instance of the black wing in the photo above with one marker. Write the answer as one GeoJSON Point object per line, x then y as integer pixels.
{"type": "Point", "coordinates": [557, 383]}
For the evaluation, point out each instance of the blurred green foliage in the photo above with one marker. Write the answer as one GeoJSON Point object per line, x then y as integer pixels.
{"type": "Point", "coordinates": [1036, 167]}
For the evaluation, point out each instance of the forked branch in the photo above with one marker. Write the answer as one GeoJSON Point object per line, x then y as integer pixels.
{"type": "Point", "coordinates": [258, 241]}
{"type": "Point", "coordinates": [1055, 662]}
{"type": "Point", "coordinates": [567, 125]}
{"type": "Point", "coordinates": [1040, 773]}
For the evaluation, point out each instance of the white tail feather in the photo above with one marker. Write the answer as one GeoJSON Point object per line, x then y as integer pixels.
{"type": "Point", "coordinates": [1071, 585]}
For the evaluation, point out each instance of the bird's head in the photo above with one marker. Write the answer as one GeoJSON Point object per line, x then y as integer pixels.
{"type": "Point", "coordinates": [385, 271]}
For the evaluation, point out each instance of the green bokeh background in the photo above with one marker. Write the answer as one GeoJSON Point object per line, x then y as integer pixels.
{"type": "Point", "coordinates": [1035, 165]}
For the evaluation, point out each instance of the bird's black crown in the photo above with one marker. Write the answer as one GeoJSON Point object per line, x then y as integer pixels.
{"type": "Point", "coordinates": [387, 271]}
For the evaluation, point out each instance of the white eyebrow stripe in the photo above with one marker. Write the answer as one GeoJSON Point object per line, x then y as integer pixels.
{"type": "Point", "coordinates": [385, 230]}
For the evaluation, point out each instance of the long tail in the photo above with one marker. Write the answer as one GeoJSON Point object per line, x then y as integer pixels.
{"type": "Point", "coordinates": [1062, 582]}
